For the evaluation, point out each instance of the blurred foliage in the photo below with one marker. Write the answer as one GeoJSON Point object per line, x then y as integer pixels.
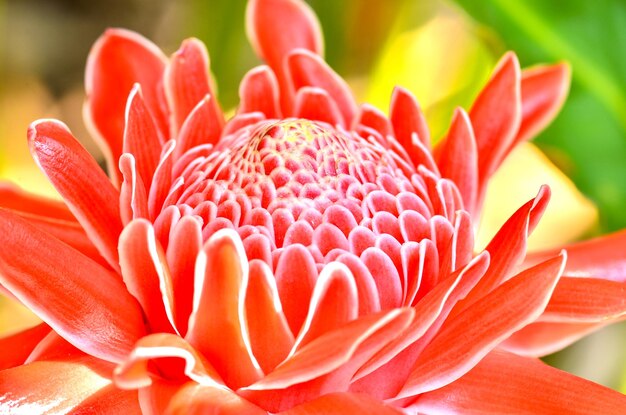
{"type": "Point", "coordinates": [588, 139]}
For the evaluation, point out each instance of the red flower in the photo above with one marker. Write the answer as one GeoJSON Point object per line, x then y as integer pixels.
{"type": "Point", "coordinates": [306, 256]}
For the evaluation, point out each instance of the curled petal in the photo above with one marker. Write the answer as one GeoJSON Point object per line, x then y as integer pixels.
{"type": "Point", "coordinates": [119, 59]}
{"type": "Point", "coordinates": [505, 383]}
{"type": "Point", "coordinates": [82, 301]}
{"type": "Point", "coordinates": [74, 173]}
{"type": "Point", "coordinates": [187, 82]}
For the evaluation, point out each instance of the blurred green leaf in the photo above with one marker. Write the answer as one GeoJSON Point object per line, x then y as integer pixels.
{"type": "Point", "coordinates": [588, 139]}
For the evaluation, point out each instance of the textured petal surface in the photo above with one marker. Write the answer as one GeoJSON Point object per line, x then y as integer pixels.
{"type": "Point", "coordinates": [88, 305]}
{"type": "Point", "coordinates": [118, 60]}
{"type": "Point", "coordinates": [74, 173]}
{"type": "Point", "coordinates": [341, 404]}
{"type": "Point", "coordinates": [504, 383]}
{"type": "Point", "coordinates": [14, 198]}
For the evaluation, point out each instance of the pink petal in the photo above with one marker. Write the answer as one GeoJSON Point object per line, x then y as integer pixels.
{"type": "Point", "coordinates": [275, 28]}
{"type": "Point", "coordinates": [74, 173]}
{"type": "Point", "coordinates": [133, 197]}
{"type": "Point", "coordinates": [183, 248]}
{"type": "Point", "coordinates": [259, 92]}
{"type": "Point", "coordinates": [372, 117]}
{"type": "Point", "coordinates": [407, 119]}
{"type": "Point", "coordinates": [187, 82]}
{"type": "Point", "coordinates": [193, 398]}
{"type": "Point", "coordinates": [119, 59]}
{"type": "Point", "coordinates": [14, 198]}
{"type": "Point", "coordinates": [508, 246]}
{"type": "Point", "coordinates": [601, 257]}
{"type": "Point", "coordinates": [167, 355]}
{"type": "Point", "coordinates": [270, 336]}
{"type": "Point", "coordinates": [240, 121]}
{"type": "Point", "coordinates": [458, 158]}
{"type": "Point", "coordinates": [334, 303]}
{"type": "Point", "coordinates": [342, 404]}
{"type": "Point", "coordinates": [316, 104]}
{"type": "Point", "coordinates": [496, 117]}
{"type": "Point", "coordinates": [219, 309]}
{"type": "Point", "coordinates": [141, 138]}
{"type": "Point", "coordinates": [505, 383]}
{"type": "Point", "coordinates": [146, 275]}
{"type": "Point", "coordinates": [17, 347]}
{"type": "Point", "coordinates": [308, 69]}
{"type": "Point", "coordinates": [508, 308]}
{"type": "Point", "coordinates": [544, 89]}
{"type": "Point", "coordinates": [86, 304]}
{"type": "Point", "coordinates": [51, 387]}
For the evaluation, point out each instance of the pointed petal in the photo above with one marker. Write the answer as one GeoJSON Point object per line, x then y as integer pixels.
{"type": "Point", "coordinates": [17, 347]}
{"type": "Point", "coordinates": [544, 89]}
{"type": "Point", "coordinates": [341, 404]}
{"type": "Point", "coordinates": [315, 104]}
{"type": "Point", "coordinates": [187, 82]}
{"type": "Point", "coordinates": [508, 247]}
{"type": "Point", "coordinates": [146, 275]}
{"type": "Point", "coordinates": [221, 281]}
{"type": "Point", "coordinates": [308, 69]}
{"type": "Point", "coordinates": [51, 387]}
{"type": "Point", "coordinates": [259, 92]}
{"type": "Point", "coordinates": [508, 308]}
{"type": "Point", "coordinates": [198, 128]}
{"type": "Point", "coordinates": [75, 175]}
{"type": "Point", "coordinates": [168, 356]}
{"type": "Point", "coordinates": [407, 118]}
{"type": "Point", "coordinates": [119, 59]}
{"type": "Point", "coordinates": [334, 303]}
{"type": "Point", "coordinates": [141, 138]}
{"type": "Point", "coordinates": [504, 383]}
{"type": "Point", "coordinates": [601, 257]}
{"type": "Point", "coordinates": [297, 27]}
{"type": "Point", "coordinates": [86, 304]}
{"type": "Point", "coordinates": [458, 158]}
{"type": "Point", "coordinates": [496, 116]}
{"type": "Point", "coordinates": [133, 197]}
{"type": "Point", "coordinates": [162, 181]}
{"type": "Point", "coordinates": [372, 117]}
{"type": "Point", "coordinates": [270, 336]}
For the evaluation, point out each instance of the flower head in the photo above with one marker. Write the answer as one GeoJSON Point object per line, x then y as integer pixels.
{"type": "Point", "coordinates": [304, 256]}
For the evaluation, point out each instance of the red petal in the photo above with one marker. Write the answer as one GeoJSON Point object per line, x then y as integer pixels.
{"type": "Point", "coordinates": [14, 198]}
{"type": "Point", "coordinates": [184, 246]}
{"type": "Point", "coordinates": [162, 181]}
{"type": "Point", "coordinates": [601, 257]}
{"type": "Point", "coordinates": [308, 69]}
{"type": "Point", "coordinates": [373, 118]}
{"type": "Point", "coordinates": [541, 339]}
{"type": "Point", "coordinates": [315, 104]}
{"type": "Point", "coordinates": [76, 176]}
{"type": "Point", "coordinates": [219, 309]}
{"type": "Point", "coordinates": [109, 401]}
{"type": "Point", "coordinates": [197, 129]}
{"type": "Point", "coordinates": [167, 356]}
{"type": "Point", "coordinates": [86, 304]}
{"type": "Point", "coordinates": [270, 336]}
{"type": "Point", "coordinates": [145, 274]}
{"type": "Point", "coordinates": [277, 27]}
{"type": "Point", "coordinates": [334, 303]}
{"type": "Point", "coordinates": [482, 326]}
{"type": "Point", "coordinates": [133, 197]}
{"type": "Point", "coordinates": [51, 387]}
{"type": "Point", "coordinates": [407, 118]}
{"type": "Point", "coordinates": [342, 404]}
{"type": "Point", "coordinates": [192, 398]}
{"type": "Point", "coordinates": [503, 383]}
{"type": "Point", "coordinates": [496, 116]}
{"type": "Point", "coordinates": [187, 82]}
{"type": "Point", "coordinates": [508, 246]}
{"type": "Point", "coordinates": [259, 92]}
{"type": "Point", "coordinates": [544, 90]}
{"type": "Point", "coordinates": [141, 138]}
{"type": "Point", "coordinates": [17, 347]}
{"type": "Point", "coordinates": [119, 59]}
{"type": "Point", "coordinates": [458, 158]}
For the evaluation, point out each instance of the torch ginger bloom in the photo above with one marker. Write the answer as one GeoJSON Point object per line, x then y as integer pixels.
{"type": "Point", "coordinates": [306, 256]}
